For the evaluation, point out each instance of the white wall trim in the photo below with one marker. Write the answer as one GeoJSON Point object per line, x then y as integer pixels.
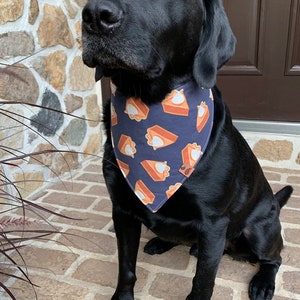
{"type": "Point", "coordinates": [292, 128]}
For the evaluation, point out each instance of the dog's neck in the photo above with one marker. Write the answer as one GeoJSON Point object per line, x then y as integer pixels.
{"type": "Point", "coordinates": [150, 90]}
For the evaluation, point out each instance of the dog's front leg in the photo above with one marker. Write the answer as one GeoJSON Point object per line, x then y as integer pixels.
{"type": "Point", "coordinates": [128, 231]}
{"type": "Point", "coordinates": [211, 244]}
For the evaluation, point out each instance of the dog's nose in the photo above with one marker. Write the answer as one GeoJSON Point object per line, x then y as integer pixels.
{"type": "Point", "coordinates": [102, 16]}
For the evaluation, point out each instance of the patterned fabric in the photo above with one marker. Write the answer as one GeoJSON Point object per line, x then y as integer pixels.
{"type": "Point", "coordinates": [158, 146]}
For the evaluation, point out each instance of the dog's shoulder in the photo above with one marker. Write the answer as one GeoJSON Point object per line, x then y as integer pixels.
{"type": "Point", "coordinates": [222, 125]}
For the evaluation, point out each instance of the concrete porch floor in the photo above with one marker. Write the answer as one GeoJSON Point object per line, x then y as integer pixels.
{"type": "Point", "coordinates": [82, 265]}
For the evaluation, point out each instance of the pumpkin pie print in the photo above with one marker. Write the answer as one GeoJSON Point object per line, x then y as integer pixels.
{"type": "Point", "coordinates": [158, 137]}
{"type": "Point", "coordinates": [172, 189]}
{"type": "Point", "coordinates": [211, 96]}
{"type": "Point", "coordinates": [175, 103]}
{"type": "Point", "coordinates": [124, 168]}
{"type": "Point", "coordinates": [112, 140]}
{"type": "Point", "coordinates": [157, 170]}
{"type": "Point", "coordinates": [143, 193]}
{"type": "Point", "coordinates": [202, 116]}
{"type": "Point", "coordinates": [136, 109]}
{"type": "Point", "coordinates": [190, 155]}
{"type": "Point", "coordinates": [114, 117]}
{"type": "Point", "coordinates": [127, 146]}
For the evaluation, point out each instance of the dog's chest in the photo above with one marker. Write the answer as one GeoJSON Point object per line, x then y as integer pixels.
{"type": "Point", "coordinates": [158, 146]}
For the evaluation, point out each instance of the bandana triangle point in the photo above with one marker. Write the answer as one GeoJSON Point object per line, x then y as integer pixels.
{"type": "Point", "coordinates": [158, 146]}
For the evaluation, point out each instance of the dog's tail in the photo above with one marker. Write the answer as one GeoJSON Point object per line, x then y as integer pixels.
{"type": "Point", "coordinates": [283, 195]}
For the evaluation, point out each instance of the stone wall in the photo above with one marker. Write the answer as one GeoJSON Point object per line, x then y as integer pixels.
{"type": "Point", "coordinates": [40, 64]}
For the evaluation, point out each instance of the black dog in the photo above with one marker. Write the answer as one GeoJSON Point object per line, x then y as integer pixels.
{"type": "Point", "coordinates": [149, 48]}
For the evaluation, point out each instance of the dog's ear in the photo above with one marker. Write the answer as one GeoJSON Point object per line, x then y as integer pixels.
{"type": "Point", "coordinates": [217, 44]}
{"type": "Point", "coordinates": [98, 73]}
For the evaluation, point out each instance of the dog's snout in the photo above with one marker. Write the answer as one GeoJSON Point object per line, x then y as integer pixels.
{"type": "Point", "coordinates": [110, 16]}
{"type": "Point", "coordinates": [102, 16]}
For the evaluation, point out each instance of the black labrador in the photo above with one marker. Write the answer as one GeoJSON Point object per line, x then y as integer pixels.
{"type": "Point", "coordinates": [226, 205]}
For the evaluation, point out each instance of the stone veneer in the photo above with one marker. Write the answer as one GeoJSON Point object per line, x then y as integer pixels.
{"type": "Point", "coordinates": [275, 150]}
{"type": "Point", "coordinates": [40, 63]}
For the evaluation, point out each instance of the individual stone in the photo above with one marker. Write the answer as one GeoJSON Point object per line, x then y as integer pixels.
{"type": "Point", "coordinates": [39, 65]}
{"type": "Point", "coordinates": [294, 202]}
{"type": "Point", "coordinates": [72, 103]}
{"type": "Point", "coordinates": [290, 256]}
{"type": "Point", "coordinates": [81, 77]}
{"type": "Point", "coordinates": [70, 8]}
{"type": "Point", "coordinates": [92, 110]}
{"type": "Point", "coordinates": [104, 205]}
{"type": "Point", "coordinates": [55, 69]}
{"type": "Point", "coordinates": [290, 216]}
{"type": "Point", "coordinates": [54, 29]}
{"type": "Point", "coordinates": [245, 295]}
{"type": "Point", "coordinates": [91, 177]}
{"type": "Point", "coordinates": [67, 186]}
{"type": "Point", "coordinates": [78, 35]}
{"type": "Point", "coordinates": [33, 11]}
{"type": "Point", "coordinates": [273, 150]}
{"type": "Point", "coordinates": [170, 286]}
{"type": "Point", "coordinates": [64, 162]}
{"type": "Point", "coordinates": [105, 273]}
{"type": "Point", "coordinates": [81, 3]}
{"type": "Point", "coordinates": [228, 266]}
{"type": "Point", "coordinates": [11, 129]}
{"type": "Point", "coordinates": [32, 136]}
{"type": "Point", "coordinates": [49, 119]}
{"type": "Point", "coordinates": [292, 235]}
{"type": "Point", "coordinates": [89, 270]}
{"type": "Point", "coordinates": [221, 292]}
{"type": "Point", "coordinates": [44, 155]}
{"type": "Point", "coordinates": [272, 176]}
{"type": "Point", "coordinates": [28, 182]}
{"type": "Point", "coordinates": [175, 259]}
{"type": "Point", "coordinates": [298, 159]}
{"type": "Point", "coordinates": [87, 220]}
{"type": "Point", "coordinates": [293, 179]}
{"type": "Point", "coordinates": [102, 297]}
{"type": "Point", "coordinates": [291, 281]}
{"type": "Point", "coordinates": [9, 40]}
{"type": "Point", "coordinates": [94, 144]}
{"type": "Point", "coordinates": [18, 84]}
{"type": "Point", "coordinates": [84, 240]}
{"type": "Point", "coordinates": [45, 287]}
{"type": "Point", "coordinates": [10, 10]}
{"type": "Point", "coordinates": [51, 261]}
{"type": "Point", "coordinates": [74, 133]}
{"type": "Point", "coordinates": [66, 199]}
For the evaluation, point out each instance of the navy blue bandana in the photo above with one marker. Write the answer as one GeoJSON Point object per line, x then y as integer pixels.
{"type": "Point", "coordinates": [158, 146]}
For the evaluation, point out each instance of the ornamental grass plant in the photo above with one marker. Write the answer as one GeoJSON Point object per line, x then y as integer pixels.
{"type": "Point", "coordinates": [22, 220]}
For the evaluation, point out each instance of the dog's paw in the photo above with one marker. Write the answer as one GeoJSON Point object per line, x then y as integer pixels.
{"type": "Point", "coordinates": [122, 296]}
{"type": "Point", "coordinates": [158, 246]}
{"type": "Point", "coordinates": [261, 288]}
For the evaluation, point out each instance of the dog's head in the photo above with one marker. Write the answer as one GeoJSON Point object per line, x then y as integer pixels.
{"type": "Point", "coordinates": [157, 38]}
